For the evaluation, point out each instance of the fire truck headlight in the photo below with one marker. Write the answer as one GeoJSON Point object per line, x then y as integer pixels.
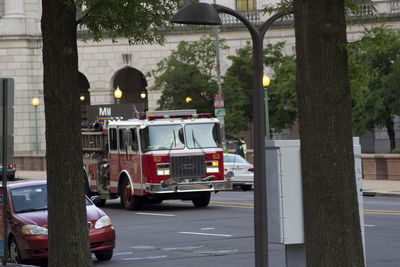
{"type": "Point", "coordinates": [163, 169]}
{"type": "Point", "coordinates": [103, 222]}
{"type": "Point", "coordinates": [212, 167]}
{"type": "Point", "coordinates": [162, 172]}
{"type": "Point", "coordinates": [30, 229]}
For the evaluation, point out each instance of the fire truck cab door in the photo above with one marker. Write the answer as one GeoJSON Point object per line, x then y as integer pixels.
{"type": "Point", "coordinates": [123, 153]}
{"type": "Point", "coordinates": [129, 154]}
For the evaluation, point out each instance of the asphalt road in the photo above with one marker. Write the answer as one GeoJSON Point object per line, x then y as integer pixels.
{"type": "Point", "coordinates": [176, 234]}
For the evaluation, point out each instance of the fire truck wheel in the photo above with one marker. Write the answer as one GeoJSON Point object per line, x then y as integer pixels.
{"type": "Point", "coordinates": [129, 201]}
{"type": "Point", "coordinates": [246, 187]}
{"type": "Point", "coordinates": [203, 200]}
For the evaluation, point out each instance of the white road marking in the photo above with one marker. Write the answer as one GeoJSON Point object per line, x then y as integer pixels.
{"type": "Point", "coordinates": [122, 253]}
{"type": "Point", "coordinates": [155, 214]}
{"type": "Point", "coordinates": [217, 251]}
{"type": "Point", "coordinates": [194, 233]}
{"type": "Point", "coordinates": [143, 247]}
{"type": "Point", "coordinates": [145, 258]}
{"type": "Point", "coordinates": [369, 225]}
{"type": "Point", "coordinates": [207, 228]}
{"type": "Point", "coordinates": [182, 248]}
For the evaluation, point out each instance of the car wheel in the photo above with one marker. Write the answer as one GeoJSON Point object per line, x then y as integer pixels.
{"type": "Point", "coordinates": [203, 200]}
{"type": "Point", "coordinates": [104, 255]}
{"type": "Point", "coordinates": [129, 201]}
{"type": "Point", "coordinates": [246, 187]}
{"type": "Point", "coordinates": [14, 256]}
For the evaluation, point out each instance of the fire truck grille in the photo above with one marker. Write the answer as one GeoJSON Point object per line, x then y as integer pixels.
{"type": "Point", "coordinates": [187, 167]}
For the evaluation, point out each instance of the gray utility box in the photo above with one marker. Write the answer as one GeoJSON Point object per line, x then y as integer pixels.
{"type": "Point", "coordinates": [284, 189]}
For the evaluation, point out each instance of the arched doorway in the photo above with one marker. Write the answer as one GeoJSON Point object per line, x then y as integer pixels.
{"type": "Point", "coordinates": [84, 96]}
{"type": "Point", "coordinates": [133, 85]}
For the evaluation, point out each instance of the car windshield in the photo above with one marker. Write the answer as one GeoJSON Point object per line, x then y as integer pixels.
{"type": "Point", "coordinates": [162, 137]}
{"type": "Point", "coordinates": [233, 158]}
{"type": "Point", "coordinates": [31, 198]}
{"type": "Point", "coordinates": [203, 135]}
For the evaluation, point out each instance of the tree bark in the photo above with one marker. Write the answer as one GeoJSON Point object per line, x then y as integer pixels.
{"type": "Point", "coordinates": [391, 133]}
{"type": "Point", "coordinates": [68, 234]}
{"type": "Point", "coordinates": [331, 218]}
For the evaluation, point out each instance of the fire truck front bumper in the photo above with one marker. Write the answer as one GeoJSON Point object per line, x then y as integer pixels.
{"type": "Point", "coordinates": [209, 186]}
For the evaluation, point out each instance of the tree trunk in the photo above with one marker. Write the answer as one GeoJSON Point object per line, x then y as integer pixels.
{"type": "Point", "coordinates": [391, 133]}
{"type": "Point", "coordinates": [331, 218]}
{"type": "Point", "coordinates": [68, 234]}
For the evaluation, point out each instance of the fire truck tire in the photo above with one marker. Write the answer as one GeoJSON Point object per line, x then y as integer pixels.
{"type": "Point", "coordinates": [246, 187]}
{"type": "Point", "coordinates": [203, 200]}
{"type": "Point", "coordinates": [129, 201]}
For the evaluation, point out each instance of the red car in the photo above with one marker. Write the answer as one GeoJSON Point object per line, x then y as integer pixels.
{"type": "Point", "coordinates": [28, 240]}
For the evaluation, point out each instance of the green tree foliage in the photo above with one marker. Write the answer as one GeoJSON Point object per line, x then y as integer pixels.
{"type": "Point", "coordinates": [235, 101]}
{"type": "Point", "coordinates": [188, 72]}
{"type": "Point", "coordinates": [282, 95]}
{"type": "Point", "coordinates": [138, 21]}
{"type": "Point", "coordinates": [238, 87]}
{"type": "Point", "coordinates": [375, 71]}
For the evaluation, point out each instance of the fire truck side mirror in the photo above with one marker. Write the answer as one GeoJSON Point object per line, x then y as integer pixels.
{"type": "Point", "coordinates": [229, 174]}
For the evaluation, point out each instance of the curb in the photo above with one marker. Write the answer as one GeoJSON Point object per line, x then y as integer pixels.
{"type": "Point", "coordinates": [380, 194]}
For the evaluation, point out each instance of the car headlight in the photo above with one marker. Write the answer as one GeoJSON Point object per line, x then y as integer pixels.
{"type": "Point", "coordinates": [103, 222]}
{"type": "Point", "coordinates": [30, 229]}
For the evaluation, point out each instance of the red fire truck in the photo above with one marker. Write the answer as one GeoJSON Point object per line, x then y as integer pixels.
{"type": "Point", "coordinates": [166, 155]}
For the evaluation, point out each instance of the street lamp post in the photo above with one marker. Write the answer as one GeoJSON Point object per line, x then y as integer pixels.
{"type": "Point", "coordinates": [35, 103]}
{"type": "Point", "coordinates": [207, 14]}
{"type": "Point", "coordinates": [117, 95]}
{"type": "Point", "coordinates": [266, 82]}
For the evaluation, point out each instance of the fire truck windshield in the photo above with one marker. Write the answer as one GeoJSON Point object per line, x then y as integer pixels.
{"type": "Point", "coordinates": [202, 135]}
{"type": "Point", "coordinates": [162, 137]}
{"type": "Point", "coordinates": [169, 137]}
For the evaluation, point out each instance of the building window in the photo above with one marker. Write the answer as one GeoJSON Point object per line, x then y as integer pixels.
{"type": "Point", "coordinates": [245, 5]}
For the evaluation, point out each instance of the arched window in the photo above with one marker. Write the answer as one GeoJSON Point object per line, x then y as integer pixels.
{"type": "Point", "coordinates": [133, 85]}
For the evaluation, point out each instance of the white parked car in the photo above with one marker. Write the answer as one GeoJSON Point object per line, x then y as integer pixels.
{"type": "Point", "coordinates": [243, 171]}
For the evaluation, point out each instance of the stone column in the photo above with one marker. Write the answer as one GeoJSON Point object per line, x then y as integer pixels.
{"type": "Point", "coordinates": [14, 9]}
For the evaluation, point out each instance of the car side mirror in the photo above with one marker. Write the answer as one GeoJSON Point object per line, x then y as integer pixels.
{"type": "Point", "coordinates": [95, 199]}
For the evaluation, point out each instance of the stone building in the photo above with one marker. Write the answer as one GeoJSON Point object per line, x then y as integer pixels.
{"type": "Point", "coordinates": [106, 65]}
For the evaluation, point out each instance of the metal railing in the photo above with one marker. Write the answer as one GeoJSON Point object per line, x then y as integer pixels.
{"type": "Point", "coordinates": [254, 16]}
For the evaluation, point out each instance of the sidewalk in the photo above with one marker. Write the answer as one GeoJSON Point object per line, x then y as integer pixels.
{"type": "Point", "coordinates": [390, 188]}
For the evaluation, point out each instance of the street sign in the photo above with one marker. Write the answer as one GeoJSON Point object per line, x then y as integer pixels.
{"type": "Point", "coordinates": [218, 101]}
{"type": "Point", "coordinates": [219, 112]}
